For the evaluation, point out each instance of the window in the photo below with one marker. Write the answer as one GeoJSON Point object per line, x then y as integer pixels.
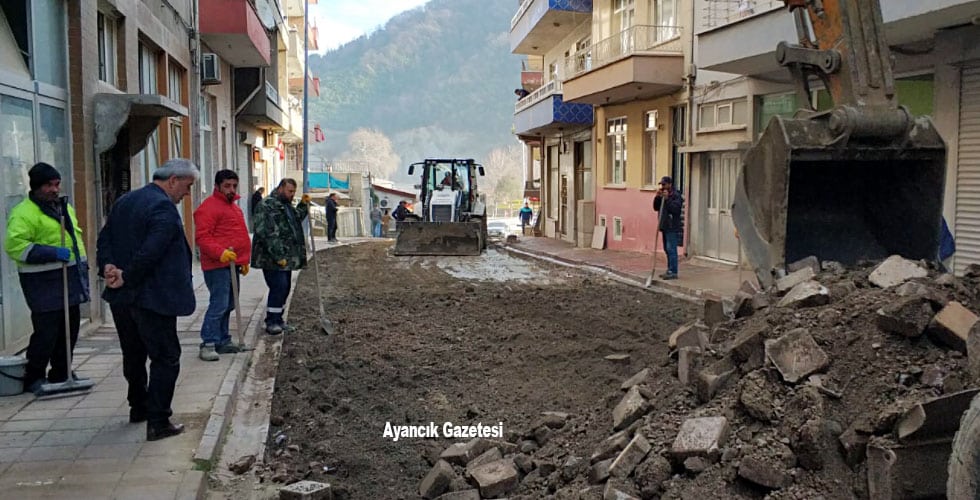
{"type": "Point", "coordinates": [38, 34]}
{"type": "Point", "coordinates": [623, 12]}
{"type": "Point", "coordinates": [148, 69]}
{"type": "Point", "coordinates": [207, 142]}
{"type": "Point", "coordinates": [583, 54]}
{"type": "Point", "coordinates": [175, 82]}
{"type": "Point", "coordinates": [617, 229]}
{"type": "Point", "coordinates": [107, 49]}
{"type": "Point", "coordinates": [665, 18]}
{"type": "Point", "coordinates": [650, 149]}
{"type": "Point", "coordinates": [602, 220]}
{"type": "Point", "coordinates": [723, 114]}
{"type": "Point", "coordinates": [616, 141]}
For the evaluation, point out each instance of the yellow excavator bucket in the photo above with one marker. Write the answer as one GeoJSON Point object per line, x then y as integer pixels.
{"type": "Point", "coordinates": [439, 238]}
{"type": "Point", "coordinates": [804, 191]}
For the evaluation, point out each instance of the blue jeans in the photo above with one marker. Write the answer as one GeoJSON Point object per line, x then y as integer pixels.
{"type": "Point", "coordinates": [671, 241]}
{"type": "Point", "coordinates": [278, 283]}
{"type": "Point", "coordinates": [214, 328]}
{"type": "Point", "coordinates": [376, 229]}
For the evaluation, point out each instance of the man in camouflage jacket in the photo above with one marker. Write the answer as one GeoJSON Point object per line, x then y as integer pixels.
{"type": "Point", "coordinates": [278, 247]}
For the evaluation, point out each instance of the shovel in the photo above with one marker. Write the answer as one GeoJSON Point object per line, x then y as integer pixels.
{"type": "Point", "coordinates": [238, 310]}
{"type": "Point", "coordinates": [656, 244]}
{"type": "Point", "coordinates": [325, 324]}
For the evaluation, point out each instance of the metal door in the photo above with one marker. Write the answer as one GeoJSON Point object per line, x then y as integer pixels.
{"type": "Point", "coordinates": [967, 228]}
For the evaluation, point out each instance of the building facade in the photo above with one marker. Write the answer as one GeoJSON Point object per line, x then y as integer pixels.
{"type": "Point", "coordinates": [107, 91]}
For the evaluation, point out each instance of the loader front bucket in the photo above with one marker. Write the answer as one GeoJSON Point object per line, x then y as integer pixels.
{"type": "Point", "coordinates": [802, 192]}
{"type": "Point", "coordinates": [439, 238]}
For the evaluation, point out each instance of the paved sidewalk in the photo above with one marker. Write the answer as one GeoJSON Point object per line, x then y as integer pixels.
{"type": "Point", "coordinates": [697, 278]}
{"type": "Point", "coordinates": [82, 446]}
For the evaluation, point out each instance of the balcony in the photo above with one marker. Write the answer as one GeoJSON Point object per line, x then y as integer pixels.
{"type": "Point", "coordinates": [232, 29]}
{"type": "Point", "coordinates": [541, 24]}
{"type": "Point", "coordinates": [744, 41]}
{"type": "Point", "coordinates": [293, 134]}
{"type": "Point", "coordinates": [642, 62]}
{"type": "Point", "coordinates": [296, 86]}
{"type": "Point", "coordinates": [544, 112]}
{"type": "Point", "coordinates": [264, 110]}
{"type": "Point", "coordinates": [296, 65]}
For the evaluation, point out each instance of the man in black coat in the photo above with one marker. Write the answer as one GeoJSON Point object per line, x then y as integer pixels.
{"type": "Point", "coordinates": [670, 204]}
{"type": "Point", "coordinates": [332, 217]}
{"type": "Point", "coordinates": [146, 262]}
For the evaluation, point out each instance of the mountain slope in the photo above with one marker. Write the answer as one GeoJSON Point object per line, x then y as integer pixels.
{"type": "Point", "coordinates": [438, 80]}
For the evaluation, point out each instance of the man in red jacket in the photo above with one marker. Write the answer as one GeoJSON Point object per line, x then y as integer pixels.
{"type": "Point", "coordinates": [223, 238]}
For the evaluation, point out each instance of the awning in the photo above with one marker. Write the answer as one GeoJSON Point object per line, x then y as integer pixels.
{"type": "Point", "coordinates": [139, 113]}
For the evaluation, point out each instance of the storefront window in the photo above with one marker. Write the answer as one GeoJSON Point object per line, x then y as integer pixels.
{"type": "Point", "coordinates": [16, 142]}
{"type": "Point", "coordinates": [52, 143]}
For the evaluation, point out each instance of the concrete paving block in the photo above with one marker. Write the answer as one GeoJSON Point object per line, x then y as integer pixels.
{"type": "Point", "coordinates": [461, 495]}
{"type": "Point", "coordinates": [806, 294]}
{"type": "Point", "coordinates": [461, 453]}
{"type": "Point", "coordinates": [491, 455]}
{"type": "Point", "coordinates": [599, 471]}
{"type": "Point", "coordinates": [812, 262]}
{"type": "Point", "coordinates": [796, 355]}
{"type": "Point", "coordinates": [611, 446]}
{"type": "Point", "coordinates": [764, 474]}
{"type": "Point", "coordinates": [689, 335]}
{"type": "Point", "coordinates": [908, 317]}
{"type": "Point", "coordinates": [306, 490]}
{"type": "Point", "coordinates": [615, 490]}
{"type": "Point", "coordinates": [700, 437]}
{"type": "Point", "coordinates": [895, 270]}
{"type": "Point", "coordinates": [742, 304]}
{"type": "Point", "coordinates": [552, 419]}
{"type": "Point", "coordinates": [748, 346]}
{"type": "Point", "coordinates": [637, 379]}
{"type": "Point", "coordinates": [713, 312]}
{"type": "Point", "coordinates": [496, 478]}
{"type": "Point", "coordinates": [713, 378]}
{"type": "Point", "coordinates": [688, 364]}
{"type": "Point", "coordinates": [760, 301]}
{"type": "Point", "coordinates": [788, 282]}
{"type": "Point", "coordinates": [952, 326]}
{"type": "Point", "coordinates": [630, 457]}
{"type": "Point", "coordinates": [630, 408]}
{"type": "Point", "coordinates": [437, 480]}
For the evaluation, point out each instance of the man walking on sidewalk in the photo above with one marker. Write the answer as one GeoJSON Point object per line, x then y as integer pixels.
{"type": "Point", "coordinates": [278, 247]}
{"type": "Point", "coordinates": [525, 215]}
{"type": "Point", "coordinates": [670, 205]}
{"type": "Point", "coordinates": [221, 234]}
{"type": "Point", "coordinates": [332, 218]}
{"type": "Point", "coordinates": [38, 242]}
{"type": "Point", "coordinates": [146, 262]}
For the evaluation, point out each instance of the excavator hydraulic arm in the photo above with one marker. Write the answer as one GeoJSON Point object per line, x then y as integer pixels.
{"type": "Point", "coordinates": [858, 181]}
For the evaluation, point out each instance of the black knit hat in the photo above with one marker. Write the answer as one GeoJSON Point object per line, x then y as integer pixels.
{"type": "Point", "coordinates": [41, 174]}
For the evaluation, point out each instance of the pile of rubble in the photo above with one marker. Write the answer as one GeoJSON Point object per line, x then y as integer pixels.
{"type": "Point", "coordinates": [834, 383]}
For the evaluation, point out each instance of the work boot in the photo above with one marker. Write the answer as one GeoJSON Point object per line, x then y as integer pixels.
{"type": "Point", "coordinates": [161, 431]}
{"type": "Point", "coordinates": [668, 276]}
{"type": "Point", "coordinates": [35, 387]}
{"type": "Point", "coordinates": [208, 353]}
{"type": "Point", "coordinates": [229, 348]}
{"type": "Point", "coordinates": [273, 329]}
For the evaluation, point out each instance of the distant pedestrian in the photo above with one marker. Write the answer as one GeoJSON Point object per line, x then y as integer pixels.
{"type": "Point", "coordinates": [401, 211]}
{"type": "Point", "coordinates": [385, 223]}
{"type": "Point", "coordinates": [221, 234]}
{"type": "Point", "coordinates": [376, 222]}
{"type": "Point", "coordinates": [146, 262]}
{"type": "Point", "coordinates": [279, 248]}
{"type": "Point", "coordinates": [332, 217]}
{"type": "Point", "coordinates": [254, 201]}
{"type": "Point", "coordinates": [525, 215]}
{"type": "Point", "coordinates": [36, 240]}
{"type": "Point", "coordinates": [670, 205]}
{"type": "Point", "coordinates": [521, 93]}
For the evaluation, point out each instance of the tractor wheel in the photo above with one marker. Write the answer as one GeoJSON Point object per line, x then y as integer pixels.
{"type": "Point", "coordinates": [964, 462]}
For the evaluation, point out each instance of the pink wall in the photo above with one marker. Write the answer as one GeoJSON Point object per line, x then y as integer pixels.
{"type": "Point", "coordinates": [635, 207]}
{"type": "Point", "coordinates": [234, 17]}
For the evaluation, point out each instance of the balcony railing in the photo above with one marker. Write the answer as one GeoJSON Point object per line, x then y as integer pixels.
{"type": "Point", "coordinates": [638, 39]}
{"type": "Point", "coordinates": [271, 92]}
{"type": "Point", "coordinates": [546, 90]}
{"type": "Point", "coordinates": [722, 12]}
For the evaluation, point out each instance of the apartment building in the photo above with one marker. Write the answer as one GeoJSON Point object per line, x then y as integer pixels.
{"type": "Point", "coordinates": [106, 91]}
{"type": "Point", "coordinates": [740, 86]}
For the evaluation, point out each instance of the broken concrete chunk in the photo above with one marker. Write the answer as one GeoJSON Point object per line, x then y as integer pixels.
{"type": "Point", "coordinates": [630, 457]}
{"type": "Point", "coordinates": [523, 462]}
{"type": "Point", "coordinates": [436, 482]}
{"type": "Point", "coordinates": [812, 262]}
{"type": "Point", "coordinates": [696, 465]}
{"type": "Point", "coordinates": [796, 355]}
{"type": "Point", "coordinates": [713, 378]}
{"type": "Point", "coordinates": [639, 378]}
{"type": "Point", "coordinates": [619, 358]}
{"type": "Point", "coordinates": [611, 446]}
{"type": "Point", "coordinates": [749, 288]}
{"type": "Point", "coordinates": [306, 490]}
{"type": "Point", "coordinates": [853, 444]}
{"type": "Point", "coordinates": [952, 326]}
{"type": "Point", "coordinates": [700, 437]}
{"type": "Point", "coordinates": [688, 364]}
{"type": "Point", "coordinates": [757, 393]}
{"type": "Point", "coordinates": [764, 474]}
{"type": "Point", "coordinates": [471, 494]}
{"type": "Point", "coordinates": [693, 334]}
{"type": "Point", "coordinates": [542, 435]}
{"type": "Point", "coordinates": [788, 282]}
{"type": "Point", "coordinates": [616, 490]}
{"type": "Point", "coordinates": [599, 471]}
{"type": "Point", "coordinates": [713, 312]}
{"type": "Point", "coordinates": [630, 408]}
{"type": "Point", "coordinates": [806, 294]}
{"type": "Point", "coordinates": [748, 346]}
{"type": "Point", "coordinates": [907, 471]}
{"type": "Point", "coordinates": [908, 317]}
{"type": "Point", "coordinates": [832, 266]}
{"type": "Point", "coordinates": [573, 467]}
{"type": "Point", "coordinates": [895, 270]}
{"type": "Point", "coordinates": [491, 455]}
{"type": "Point", "coordinates": [461, 453]}
{"type": "Point", "coordinates": [551, 419]}
{"type": "Point", "coordinates": [242, 465]}
{"type": "Point", "coordinates": [742, 305]}
{"type": "Point", "coordinates": [495, 478]}
{"type": "Point", "coordinates": [760, 301]}
{"type": "Point", "coordinates": [937, 418]}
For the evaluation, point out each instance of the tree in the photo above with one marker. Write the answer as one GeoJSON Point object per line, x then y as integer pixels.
{"type": "Point", "coordinates": [504, 182]}
{"type": "Point", "coordinates": [371, 147]}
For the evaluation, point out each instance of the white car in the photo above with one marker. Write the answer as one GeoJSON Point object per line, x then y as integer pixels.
{"type": "Point", "coordinates": [497, 229]}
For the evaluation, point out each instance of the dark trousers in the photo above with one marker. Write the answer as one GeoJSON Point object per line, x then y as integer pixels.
{"type": "Point", "coordinates": [47, 345]}
{"type": "Point", "coordinates": [145, 334]}
{"type": "Point", "coordinates": [278, 283]}
{"type": "Point", "coordinates": [331, 228]}
{"type": "Point", "coordinates": [671, 242]}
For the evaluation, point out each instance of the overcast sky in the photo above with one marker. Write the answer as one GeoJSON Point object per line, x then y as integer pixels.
{"type": "Point", "coordinates": [341, 21]}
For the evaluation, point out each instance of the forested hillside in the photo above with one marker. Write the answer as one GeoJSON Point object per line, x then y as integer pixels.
{"type": "Point", "coordinates": [435, 81]}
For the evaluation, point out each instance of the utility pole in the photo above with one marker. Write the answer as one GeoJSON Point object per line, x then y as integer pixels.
{"type": "Point", "coordinates": [306, 96]}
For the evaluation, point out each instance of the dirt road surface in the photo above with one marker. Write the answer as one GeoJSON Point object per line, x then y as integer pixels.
{"type": "Point", "coordinates": [471, 340]}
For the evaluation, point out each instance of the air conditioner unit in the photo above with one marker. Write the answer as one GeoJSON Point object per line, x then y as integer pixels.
{"type": "Point", "coordinates": [210, 69]}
